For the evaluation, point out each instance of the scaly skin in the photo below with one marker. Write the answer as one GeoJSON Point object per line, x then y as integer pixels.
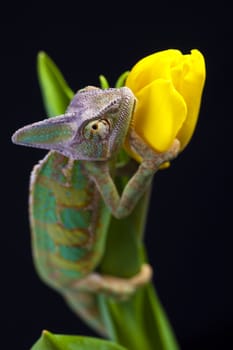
{"type": "Point", "coordinates": [69, 224]}
{"type": "Point", "coordinates": [68, 219]}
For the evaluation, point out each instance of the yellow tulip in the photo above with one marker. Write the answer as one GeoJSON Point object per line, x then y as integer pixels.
{"type": "Point", "coordinates": [168, 86]}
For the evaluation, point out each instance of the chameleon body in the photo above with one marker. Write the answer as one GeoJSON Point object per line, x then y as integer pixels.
{"type": "Point", "coordinates": [73, 195]}
{"type": "Point", "coordinates": [68, 219]}
{"type": "Point", "coordinates": [69, 225]}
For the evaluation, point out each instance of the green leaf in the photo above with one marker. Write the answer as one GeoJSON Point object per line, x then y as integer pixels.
{"type": "Point", "coordinates": [55, 91]}
{"type": "Point", "coordinates": [49, 341]}
{"type": "Point", "coordinates": [104, 84]}
{"type": "Point", "coordinates": [121, 80]}
{"type": "Point", "coordinates": [156, 322]}
{"type": "Point", "coordinates": [140, 322]}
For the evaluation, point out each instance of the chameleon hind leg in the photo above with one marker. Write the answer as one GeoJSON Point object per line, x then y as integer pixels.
{"type": "Point", "coordinates": [117, 287]}
{"type": "Point", "coordinates": [85, 306]}
{"type": "Point", "coordinates": [82, 296]}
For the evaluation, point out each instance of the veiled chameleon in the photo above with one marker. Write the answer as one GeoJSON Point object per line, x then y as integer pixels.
{"type": "Point", "coordinates": [73, 195]}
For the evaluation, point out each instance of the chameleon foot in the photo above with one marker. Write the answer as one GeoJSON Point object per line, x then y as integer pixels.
{"type": "Point", "coordinates": [119, 288]}
{"type": "Point", "coordinates": [150, 157]}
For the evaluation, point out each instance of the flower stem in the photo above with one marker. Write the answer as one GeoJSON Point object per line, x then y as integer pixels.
{"type": "Point", "coordinates": [140, 322]}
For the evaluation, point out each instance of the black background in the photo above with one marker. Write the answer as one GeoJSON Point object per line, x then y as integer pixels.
{"type": "Point", "coordinates": [189, 231]}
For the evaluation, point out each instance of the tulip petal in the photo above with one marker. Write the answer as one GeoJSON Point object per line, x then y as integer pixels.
{"type": "Point", "coordinates": [160, 113]}
{"type": "Point", "coordinates": [191, 89]}
{"type": "Point", "coordinates": [152, 67]}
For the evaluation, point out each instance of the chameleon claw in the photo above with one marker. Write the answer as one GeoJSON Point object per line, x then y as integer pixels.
{"type": "Point", "coordinates": [173, 150]}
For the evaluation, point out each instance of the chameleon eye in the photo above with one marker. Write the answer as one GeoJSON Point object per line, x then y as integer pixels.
{"type": "Point", "coordinates": [99, 128]}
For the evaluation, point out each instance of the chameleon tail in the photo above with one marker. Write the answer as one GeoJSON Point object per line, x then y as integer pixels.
{"type": "Point", "coordinates": [85, 305]}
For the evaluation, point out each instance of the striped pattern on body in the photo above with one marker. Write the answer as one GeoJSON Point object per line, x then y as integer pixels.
{"type": "Point", "coordinates": [69, 221]}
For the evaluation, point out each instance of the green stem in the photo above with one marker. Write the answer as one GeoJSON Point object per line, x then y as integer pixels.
{"type": "Point", "coordinates": [140, 322]}
{"type": "Point", "coordinates": [124, 252]}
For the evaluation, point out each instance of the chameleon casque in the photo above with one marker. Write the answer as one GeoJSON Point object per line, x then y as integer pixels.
{"type": "Point", "coordinates": [73, 194]}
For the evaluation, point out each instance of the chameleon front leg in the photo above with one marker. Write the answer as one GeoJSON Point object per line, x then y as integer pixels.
{"type": "Point", "coordinates": [121, 206]}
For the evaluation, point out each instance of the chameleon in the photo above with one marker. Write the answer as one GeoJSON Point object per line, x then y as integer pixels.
{"type": "Point", "coordinates": [73, 194]}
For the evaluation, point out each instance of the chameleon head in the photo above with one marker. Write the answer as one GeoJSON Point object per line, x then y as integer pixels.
{"type": "Point", "coordinates": [93, 128]}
